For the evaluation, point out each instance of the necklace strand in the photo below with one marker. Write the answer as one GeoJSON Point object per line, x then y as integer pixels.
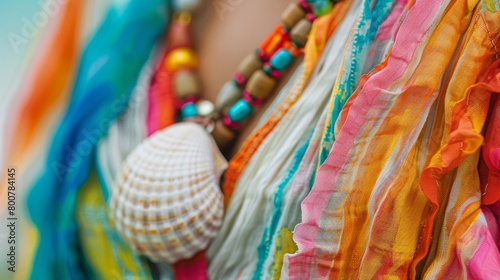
{"type": "Point", "coordinates": [255, 78]}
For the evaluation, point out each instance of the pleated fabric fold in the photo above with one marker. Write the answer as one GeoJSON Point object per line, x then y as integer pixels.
{"type": "Point", "coordinates": [380, 158]}
{"type": "Point", "coordinates": [350, 225]}
{"type": "Point", "coordinates": [251, 206]}
{"type": "Point", "coordinates": [490, 160]}
{"type": "Point", "coordinates": [126, 132]}
{"type": "Point", "coordinates": [106, 254]}
{"type": "Point", "coordinates": [353, 64]}
{"type": "Point", "coordinates": [457, 228]}
{"type": "Point", "coordinates": [299, 177]}
{"type": "Point", "coordinates": [109, 69]}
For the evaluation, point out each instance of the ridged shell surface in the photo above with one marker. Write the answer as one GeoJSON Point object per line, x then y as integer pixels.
{"type": "Point", "coordinates": [166, 200]}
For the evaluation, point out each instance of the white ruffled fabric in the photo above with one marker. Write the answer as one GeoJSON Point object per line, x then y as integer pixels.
{"type": "Point", "coordinates": [283, 93]}
{"type": "Point", "coordinates": [233, 254]}
{"type": "Point", "coordinates": [126, 132]}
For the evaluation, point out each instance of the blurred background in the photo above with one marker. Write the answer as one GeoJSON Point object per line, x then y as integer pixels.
{"type": "Point", "coordinates": [25, 26]}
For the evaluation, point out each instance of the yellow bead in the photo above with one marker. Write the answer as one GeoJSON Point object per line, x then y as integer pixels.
{"type": "Point", "coordinates": [181, 57]}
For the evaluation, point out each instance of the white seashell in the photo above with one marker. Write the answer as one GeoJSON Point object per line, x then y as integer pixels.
{"type": "Point", "coordinates": [166, 200]}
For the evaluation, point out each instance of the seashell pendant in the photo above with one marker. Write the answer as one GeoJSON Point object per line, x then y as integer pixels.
{"type": "Point", "coordinates": [166, 201]}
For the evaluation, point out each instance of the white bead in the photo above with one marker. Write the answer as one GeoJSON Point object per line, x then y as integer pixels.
{"type": "Point", "coordinates": [205, 108]}
{"type": "Point", "coordinates": [228, 94]}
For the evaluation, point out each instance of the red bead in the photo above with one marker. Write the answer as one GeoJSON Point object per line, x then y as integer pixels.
{"type": "Point", "coordinates": [230, 124]}
{"type": "Point", "coordinates": [263, 56]}
{"type": "Point", "coordinates": [266, 67]}
{"type": "Point", "coordinates": [275, 73]}
{"type": "Point", "coordinates": [271, 72]}
{"type": "Point", "coordinates": [310, 17]}
{"type": "Point", "coordinates": [180, 103]}
{"type": "Point", "coordinates": [304, 5]}
{"type": "Point", "coordinates": [252, 100]}
{"type": "Point", "coordinates": [240, 80]}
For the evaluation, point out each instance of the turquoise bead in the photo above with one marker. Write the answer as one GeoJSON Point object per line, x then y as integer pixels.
{"type": "Point", "coordinates": [240, 111]}
{"type": "Point", "coordinates": [281, 59]}
{"type": "Point", "coordinates": [268, 70]}
{"type": "Point", "coordinates": [189, 110]}
{"type": "Point", "coordinates": [322, 7]}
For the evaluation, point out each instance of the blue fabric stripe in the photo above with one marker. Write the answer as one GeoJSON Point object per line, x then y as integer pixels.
{"type": "Point", "coordinates": [270, 231]}
{"type": "Point", "coordinates": [109, 69]}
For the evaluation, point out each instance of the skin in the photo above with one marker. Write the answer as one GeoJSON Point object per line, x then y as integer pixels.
{"type": "Point", "coordinates": [225, 32]}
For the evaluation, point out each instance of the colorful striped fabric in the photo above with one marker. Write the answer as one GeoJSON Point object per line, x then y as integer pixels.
{"type": "Point", "coordinates": [108, 72]}
{"type": "Point", "coordinates": [299, 178]}
{"type": "Point", "coordinates": [52, 75]}
{"type": "Point", "coordinates": [490, 163]}
{"type": "Point", "coordinates": [247, 214]}
{"type": "Point", "coordinates": [353, 65]}
{"type": "Point", "coordinates": [161, 97]}
{"type": "Point", "coordinates": [107, 256]}
{"type": "Point", "coordinates": [41, 100]}
{"type": "Point", "coordinates": [451, 180]}
{"type": "Point", "coordinates": [379, 159]}
{"type": "Point", "coordinates": [350, 225]}
{"type": "Point", "coordinates": [111, 257]}
{"type": "Point", "coordinates": [125, 133]}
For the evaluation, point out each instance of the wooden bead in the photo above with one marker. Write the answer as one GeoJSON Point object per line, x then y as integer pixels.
{"type": "Point", "coordinates": [186, 84]}
{"type": "Point", "coordinates": [300, 32]}
{"type": "Point", "coordinates": [228, 94]}
{"type": "Point", "coordinates": [222, 135]}
{"type": "Point", "coordinates": [249, 65]}
{"type": "Point", "coordinates": [292, 14]}
{"type": "Point", "coordinates": [260, 85]}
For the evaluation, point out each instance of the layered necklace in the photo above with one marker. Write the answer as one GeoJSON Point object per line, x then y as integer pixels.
{"type": "Point", "coordinates": [166, 200]}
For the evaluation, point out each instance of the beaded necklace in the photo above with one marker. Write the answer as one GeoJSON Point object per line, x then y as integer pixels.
{"type": "Point", "coordinates": [166, 201]}
{"type": "Point", "coordinates": [255, 78]}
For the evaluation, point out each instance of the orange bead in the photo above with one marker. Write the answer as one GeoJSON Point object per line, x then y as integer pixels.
{"type": "Point", "coordinates": [180, 58]}
{"type": "Point", "coordinates": [294, 50]}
